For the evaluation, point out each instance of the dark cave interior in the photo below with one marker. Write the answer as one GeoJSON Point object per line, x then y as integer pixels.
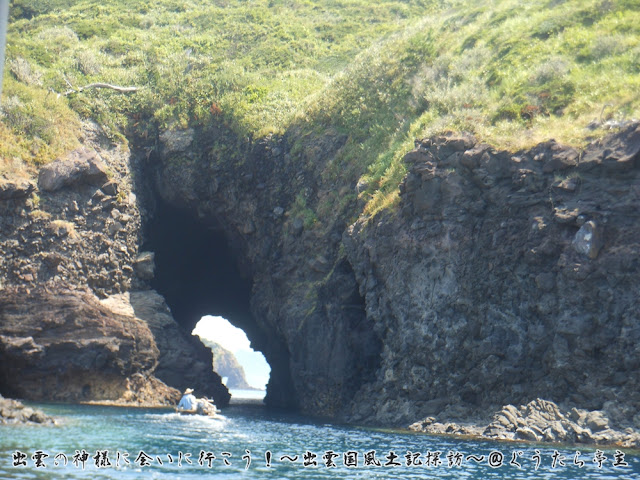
{"type": "Point", "coordinates": [196, 270]}
{"type": "Point", "coordinates": [197, 273]}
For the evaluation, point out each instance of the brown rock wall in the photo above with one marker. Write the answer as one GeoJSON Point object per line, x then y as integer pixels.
{"type": "Point", "coordinates": [65, 246]}
{"type": "Point", "coordinates": [66, 346]}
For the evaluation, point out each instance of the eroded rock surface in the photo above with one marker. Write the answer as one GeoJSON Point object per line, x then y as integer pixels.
{"type": "Point", "coordinates": [80, 166]}
{"type": "Point", "coordinates": [66, 346]}
{"type": "Point", "coordinates": [504, 277]}
{"type": "Point", "coordinates": [183, 361]}
{"type": "Point", "coordinates": [539, 421]}
{"type": "Point", "coordinates": [497, 278]}
{"type": "Point", "coordinates": [306, 315]}
{"type": "Point", "coordinates": [68, 249]}
{"type": "Point", "coordinates": [13, 411]}
{"type": "Point", "coordinates": [15, 188]}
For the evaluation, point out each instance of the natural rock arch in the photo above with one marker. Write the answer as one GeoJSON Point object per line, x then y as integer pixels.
{"type": "Point", "coordinates": [196, 270]}
{"type": "Point", "coordinates": [485, 286]}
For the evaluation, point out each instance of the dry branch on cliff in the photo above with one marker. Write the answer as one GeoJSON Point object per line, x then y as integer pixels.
{"type": "Point", "coordinates": [117, 88]}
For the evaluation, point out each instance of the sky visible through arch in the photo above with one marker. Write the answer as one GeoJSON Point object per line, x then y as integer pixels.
{"type": "Point", "coordinates": [219, 330]}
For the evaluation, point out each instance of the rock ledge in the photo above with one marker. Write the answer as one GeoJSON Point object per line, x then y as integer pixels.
{"type": "Point", "coordinates": [13, 411]}
{"type": "Point", "coordinates": [539, 421]}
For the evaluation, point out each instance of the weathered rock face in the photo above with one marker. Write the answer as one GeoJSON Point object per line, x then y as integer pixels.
{"type": "Point", "coordinates": [306, 314]}
{"type": "Point", "coordinates": [226, 364]}
{"type": "Point", "coordinates": [504, 277]}
{"type": "Point", "coordinates": [500, 278]}
{"type": "Point", "coordinates": [183, 362]}
{"type": "Point", "coordinates": [54, 342]}
{"type": "Point", "coordinates": [15, 188]}
{"type": "Point", "coordinates": [77, 319]}
{"type": "Point", "coordinates": [13, 411]}
{"type": "Point", "coordinates": [538, 421]}
{"type": "Point", "coordinates": [81, 166]}
{"type": "Point", "coordinates": [75, 236]}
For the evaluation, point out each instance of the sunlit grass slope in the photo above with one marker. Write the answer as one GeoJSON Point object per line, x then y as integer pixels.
{"type": "Point", "coordinates": [383, 73]}
{"type": "Point", "coordinates": [512, 73]}
{"type": "Point", "coordinates": [247, 63]}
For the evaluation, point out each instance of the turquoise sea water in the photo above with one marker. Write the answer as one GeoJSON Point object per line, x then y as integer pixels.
{"type": "Point", "coordinates": [250, 442]}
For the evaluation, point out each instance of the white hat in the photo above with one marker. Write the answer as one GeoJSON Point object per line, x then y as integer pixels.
{"type": "Point", "coordinates": [188, 391]}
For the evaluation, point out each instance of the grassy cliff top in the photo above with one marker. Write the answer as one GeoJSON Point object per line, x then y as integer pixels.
{"type": "Point", "coordinates": [384, 74]}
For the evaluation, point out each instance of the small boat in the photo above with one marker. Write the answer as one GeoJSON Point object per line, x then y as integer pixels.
{"type": "Point", "coordinates": [205, 408]}
{"type": "Point", "coordinates": [196, 412]}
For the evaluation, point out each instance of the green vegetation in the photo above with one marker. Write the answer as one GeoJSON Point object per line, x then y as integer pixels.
{"type": "Point", "coordinates": [511, 74]}
{"type": "Point", "coordinates": [381, 73]}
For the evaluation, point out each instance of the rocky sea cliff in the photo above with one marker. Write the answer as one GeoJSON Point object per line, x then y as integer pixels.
{"type": "Point", "coordinates": [497, 279]}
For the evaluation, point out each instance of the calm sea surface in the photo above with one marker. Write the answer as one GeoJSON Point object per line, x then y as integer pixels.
{"type": "Point", "coordinates": [249, 442]}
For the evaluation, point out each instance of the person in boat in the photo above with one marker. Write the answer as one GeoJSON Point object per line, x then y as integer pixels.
{"type": "Point", "coordinates": [188, 401]}
{"type": "Point", "coordinates": [190, 404]}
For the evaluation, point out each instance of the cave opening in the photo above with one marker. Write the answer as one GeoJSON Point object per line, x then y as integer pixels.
{"type": "Point", "coordinates": [197, 272]}
{"type": "Point", "coordinates": [244, 371]}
